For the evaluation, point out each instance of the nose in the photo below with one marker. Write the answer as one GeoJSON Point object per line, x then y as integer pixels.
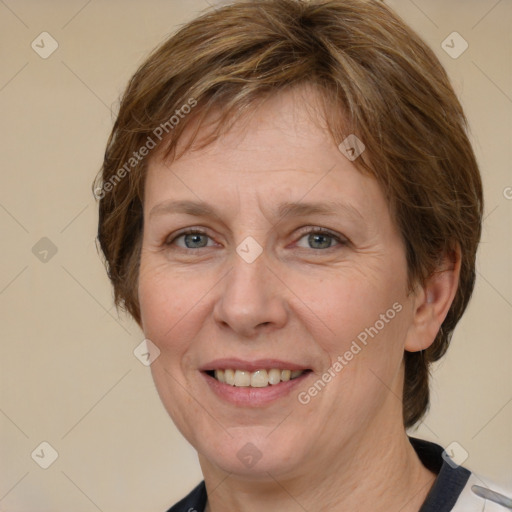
{"type": "Point", "coordinates": [252, 300]}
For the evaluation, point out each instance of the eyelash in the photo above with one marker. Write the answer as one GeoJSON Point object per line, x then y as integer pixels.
{"type": "Point", "coordinates": [310, 231]}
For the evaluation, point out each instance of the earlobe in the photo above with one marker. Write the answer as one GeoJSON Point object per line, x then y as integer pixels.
{"type": "Point", "coordinates": [432, 303]}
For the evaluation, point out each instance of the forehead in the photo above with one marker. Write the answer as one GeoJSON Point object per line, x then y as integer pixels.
{"type": "Point", "coordinates": [289, 115]}
{"type": "Point", "coordinates": [279, 149]}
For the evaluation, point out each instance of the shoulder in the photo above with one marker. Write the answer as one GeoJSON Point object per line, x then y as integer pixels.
{"type": "Point", "coordinates": [481, 494]}
{"type": "Point", "coordinates": [456, 489]}
{"type": "Point", "coordinates": [195, 501]}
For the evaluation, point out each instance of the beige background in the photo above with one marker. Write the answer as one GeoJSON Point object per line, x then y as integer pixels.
{"type": "Point", "coordinates": [68, 373]}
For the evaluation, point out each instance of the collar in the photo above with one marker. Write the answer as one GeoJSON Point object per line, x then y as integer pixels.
{"type": "Point", "coordinates": [455, 489]}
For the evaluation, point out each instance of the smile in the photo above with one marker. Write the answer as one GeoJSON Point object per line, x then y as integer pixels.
{"type": "Point", "coordinates": [256, 383]}
{"type": "Point", "coordinates": [257, 379]}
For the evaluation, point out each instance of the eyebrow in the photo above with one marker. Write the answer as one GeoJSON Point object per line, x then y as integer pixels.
{"type": "Point", "coordinates": [284, 210]}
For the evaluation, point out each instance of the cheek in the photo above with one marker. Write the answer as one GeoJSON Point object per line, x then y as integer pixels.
{"type": "Point", "coordinates": [155, 301]}
{"type": "Point", "coordinates": [169, 307]}
{"type": "Point", "coordinates": [167, 302]}
{"type": "Point", "coordinates": [352, 304]}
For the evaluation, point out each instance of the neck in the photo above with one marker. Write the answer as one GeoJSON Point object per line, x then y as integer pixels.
{"type": "Point", "coordinates": [375, 473]}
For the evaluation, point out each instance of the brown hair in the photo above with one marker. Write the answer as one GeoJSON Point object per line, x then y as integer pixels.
{"type": "Point", "coordinates": [377, 80]}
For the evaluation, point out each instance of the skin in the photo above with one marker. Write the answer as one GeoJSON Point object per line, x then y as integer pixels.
{"type": "Point", "coordinates": [346, 449]}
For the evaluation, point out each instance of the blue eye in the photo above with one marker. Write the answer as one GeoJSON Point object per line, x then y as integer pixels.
{"type": "Point", "coordinates": [193, 239]}
{"type": "Point", "coordinates": [317, 238]}
{"type": "Point", "coordinates": [321, 239]}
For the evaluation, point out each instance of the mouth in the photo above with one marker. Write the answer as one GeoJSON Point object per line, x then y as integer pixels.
{"type": "Point", "coordinates": [253, 383]}
{"type": "Point", "coordinates": [254, 379]}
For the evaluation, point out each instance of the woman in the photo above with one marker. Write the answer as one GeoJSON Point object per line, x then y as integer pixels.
{"type": "Point", "coordinates": [290, 209]}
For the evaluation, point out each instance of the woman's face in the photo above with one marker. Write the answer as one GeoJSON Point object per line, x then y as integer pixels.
{"type": "Point", "coordinates": [256, 287]}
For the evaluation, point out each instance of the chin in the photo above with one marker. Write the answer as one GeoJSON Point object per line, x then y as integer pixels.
{"type": "Point", "coordinates": [251, 456]}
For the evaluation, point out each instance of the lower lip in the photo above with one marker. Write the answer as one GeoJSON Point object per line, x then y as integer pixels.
{"type": "Point", "coordinates": [253, 397]}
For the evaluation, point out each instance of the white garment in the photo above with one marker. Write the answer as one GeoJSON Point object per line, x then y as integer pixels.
{"type": "Point", "coordinates": [469, 501]}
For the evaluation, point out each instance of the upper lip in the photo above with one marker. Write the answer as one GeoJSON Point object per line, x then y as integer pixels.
{"type": "Point", "coordinates": [252, 366]}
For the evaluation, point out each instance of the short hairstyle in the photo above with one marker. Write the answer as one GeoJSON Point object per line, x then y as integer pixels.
{"type": "Point", "coordinates": [376, 79]}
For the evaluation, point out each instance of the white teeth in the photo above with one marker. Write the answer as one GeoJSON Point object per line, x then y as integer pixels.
{"type": "Point", "coordinates": [258, 379]}
{"type": "Point", "coordinates": [229, 377]}
{"type": "Point", "coordinates": [285, 375]}
{"type": "Point", "coordinates": [242, 379]}
{"type": "Point", "coordinates": [274, 376]}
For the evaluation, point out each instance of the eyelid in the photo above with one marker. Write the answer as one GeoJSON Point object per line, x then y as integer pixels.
{"type": "Point", "coordinates": [313, 230]}
{"type": "Point", "coordinates": [325, 231]}
{"type": "Point", "coordinates": [185, 231]}
{"type": "Point", "coordinates": [306, 230]}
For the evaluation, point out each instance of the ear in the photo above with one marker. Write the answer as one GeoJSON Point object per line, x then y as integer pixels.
{"type": "Point", "coordinates": [432, 302]}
